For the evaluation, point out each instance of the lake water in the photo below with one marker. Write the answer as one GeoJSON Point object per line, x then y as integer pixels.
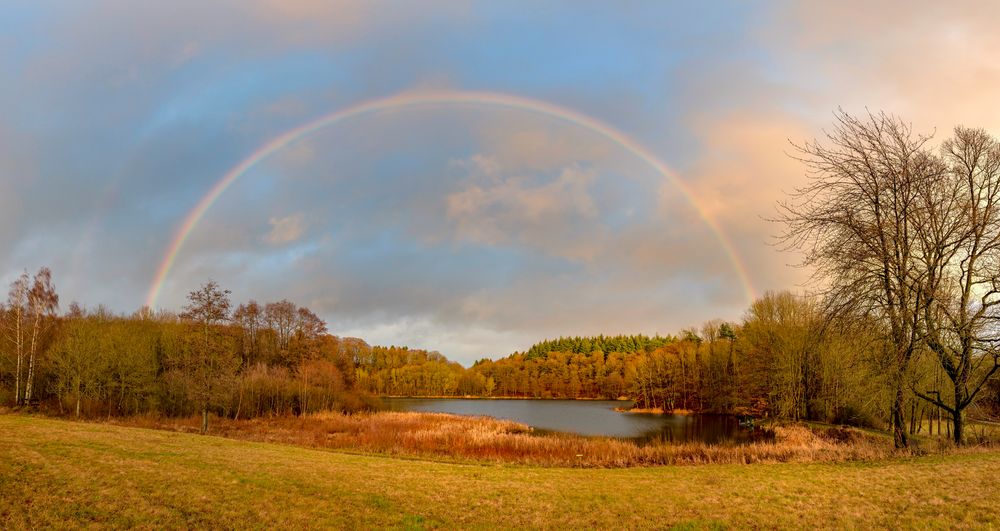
{"type": "Point", "coordinates": [587, 417]}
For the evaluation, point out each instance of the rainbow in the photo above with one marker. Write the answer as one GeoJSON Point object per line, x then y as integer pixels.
{"type": "Point", "coordinates": [432, 98]}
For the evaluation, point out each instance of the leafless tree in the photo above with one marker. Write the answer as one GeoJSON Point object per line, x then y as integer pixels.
{"type": "Point", "coordinates": [959, 247]}
{"type": "Point", "coordinates": [42, 305]}
{"type": "Point", "coordinates": [280, 317]}
{"type": "Point", "coordinates": [208, 363]}
{"type": "Point", "coordinates": [308, 325]}
{"type": "Point", "coordinates": [854, 224]}
{"type": "Point", "coordinates": [14, 326]}
{"type": "Point", "coordinates": [250, 318]}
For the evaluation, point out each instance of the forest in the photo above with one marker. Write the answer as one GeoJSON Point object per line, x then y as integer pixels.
{"type": "Point", "coordinates": [901, 330]}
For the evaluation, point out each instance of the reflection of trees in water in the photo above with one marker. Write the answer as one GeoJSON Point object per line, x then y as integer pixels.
{"type": "Point", "coordinates": [704, 428]}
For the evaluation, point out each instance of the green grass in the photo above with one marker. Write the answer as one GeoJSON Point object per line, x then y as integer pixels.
{"type": "Point", "coordinates": [56, 473]}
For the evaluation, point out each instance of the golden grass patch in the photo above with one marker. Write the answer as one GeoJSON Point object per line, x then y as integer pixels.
{"type": "Point", "coordinates": [58, 474]}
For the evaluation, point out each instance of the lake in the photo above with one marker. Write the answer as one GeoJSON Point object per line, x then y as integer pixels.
{"type": "Point", "coordinates": [587, 417]}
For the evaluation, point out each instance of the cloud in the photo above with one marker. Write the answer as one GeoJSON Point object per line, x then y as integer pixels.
{"type": "Point", "coordinates": [550, 215]}
{"type": "Point", "coordinates": [930, 63]}
{"type": "Point", "coordinates": [471, 229]}
{"type": "Point", "coordinates": [286, 230]}
{"type": "Point", "coordinates": [529, 145]}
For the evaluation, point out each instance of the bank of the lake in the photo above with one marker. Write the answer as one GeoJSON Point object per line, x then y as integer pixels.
{"type": "Point", "coordinates": [59, 474]}
{"type": "Point", "coordinates": [479, 439]}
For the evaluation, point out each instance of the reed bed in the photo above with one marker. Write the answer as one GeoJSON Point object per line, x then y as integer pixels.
{"type": "Point", "coordinates": [484, 439]}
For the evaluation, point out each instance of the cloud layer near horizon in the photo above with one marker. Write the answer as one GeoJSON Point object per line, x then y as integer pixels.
{"type": "Point", "coordinates": [467, 229]}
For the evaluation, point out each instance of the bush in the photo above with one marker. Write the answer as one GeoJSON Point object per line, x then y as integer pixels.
{"type": "Point", "coordinates": [851, 415]}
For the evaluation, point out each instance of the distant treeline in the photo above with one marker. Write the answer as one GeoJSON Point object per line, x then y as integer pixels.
{"type": "Point", "coordinates": [587, 345]}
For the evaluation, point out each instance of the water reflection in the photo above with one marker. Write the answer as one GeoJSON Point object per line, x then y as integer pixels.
{"type": "Point", "coordinates": [712, 429]}
{"type": "Point", "coordinates": [590, 417]}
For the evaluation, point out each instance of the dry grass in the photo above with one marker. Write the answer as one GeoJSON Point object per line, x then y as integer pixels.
{"type": "Point", "coordinates": [56, 474]}
{"type": "Point", "coordinates": [483, 439]}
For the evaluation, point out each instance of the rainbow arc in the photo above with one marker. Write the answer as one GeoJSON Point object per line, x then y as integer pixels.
{"type": "Point", "coordinates": [438, 98]}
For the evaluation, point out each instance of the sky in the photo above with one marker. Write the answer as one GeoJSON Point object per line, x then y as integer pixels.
{"type": "Point", "coordinates": [561, 168]}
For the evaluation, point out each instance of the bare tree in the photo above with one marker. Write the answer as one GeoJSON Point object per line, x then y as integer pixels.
{"type": "Point", "coordinates": [42, 305]}
{"type": "Point", "coordinates": [280, 317]}
{"type": "Point", "coordinates": [17, 301]}
{"type": "Point", "coordinates": [854, 223]}
{"type": "Point", "coordinates": [250, 318]}
{"type": "Point", "coordinates": [207, 362]}
{"type": "Point", "coordinates": [76, 357]}
{"type": "Point", "coordinates": [959, 229]}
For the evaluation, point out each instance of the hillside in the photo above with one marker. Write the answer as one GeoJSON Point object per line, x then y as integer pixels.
{"type": "Point", "coordinates": [56, 474]}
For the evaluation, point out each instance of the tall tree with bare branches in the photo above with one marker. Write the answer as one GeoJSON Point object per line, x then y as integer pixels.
{"type": "Point", "coordinates": [280, 318]}
{"type": "Point", "coordinates": [959, 246]}
{"type": "Point", "coordinates": [206, 360]}
{"type": "Point", "coordinates": [854, 224]}
{"type": "Point", "coordinates": [250, 318]}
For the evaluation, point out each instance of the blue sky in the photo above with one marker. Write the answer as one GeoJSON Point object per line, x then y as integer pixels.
{"type": "Point", "coordinates": [467, 229]}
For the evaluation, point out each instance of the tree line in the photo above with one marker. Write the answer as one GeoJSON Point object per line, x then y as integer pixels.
{"type": "Point", "coordinates": [787, 358]}
{"type": "Point", "coordinates": [254, 360]}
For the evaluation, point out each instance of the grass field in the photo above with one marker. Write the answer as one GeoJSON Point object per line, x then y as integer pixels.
{"type": "Point", "coordinates": [56, 473]}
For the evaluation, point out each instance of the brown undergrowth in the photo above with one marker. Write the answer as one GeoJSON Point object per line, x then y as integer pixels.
{"type": "Point", "coordinates": [483, 439]}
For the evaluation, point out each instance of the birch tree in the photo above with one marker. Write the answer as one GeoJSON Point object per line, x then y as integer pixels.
{"type": "Point", "coordinates": [42, 305]}
{"type": "Point", "coordinates": [14, 328]}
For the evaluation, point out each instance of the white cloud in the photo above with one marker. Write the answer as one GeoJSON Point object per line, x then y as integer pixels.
{"type": "Point", "coordinates": [556, 215]}
{"type": "Point", "coordinates": [286, 230]}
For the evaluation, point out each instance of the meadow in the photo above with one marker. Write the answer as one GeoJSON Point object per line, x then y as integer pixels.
{"type": "Point", "coordinates": [57, 473]}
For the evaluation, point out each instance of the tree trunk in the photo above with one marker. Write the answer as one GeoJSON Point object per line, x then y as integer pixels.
{"type": "Point", "coordinates": [899, 437]}
{"type": "Point", "coordinates": [19, 346]}
{"type": "Point", "coordinates": [959, 423]}
{"type": "Point", "coordinates": [204, 420]}
{"type": "Point", "coordinates": [77, 398]}
{"type": "Point", "coordinates": [31, 359]}
{"type": "Point", "coordinates": [239, 405]}
{"type": "Point", "coordinates": [17, 379]}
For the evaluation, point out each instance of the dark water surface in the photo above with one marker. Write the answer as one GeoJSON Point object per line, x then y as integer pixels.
{"type": "Point", "coordinates": [587, 417]}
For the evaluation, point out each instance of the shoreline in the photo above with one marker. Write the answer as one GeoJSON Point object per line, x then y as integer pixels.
{"type": "Point", "coordinates": [636, 411]}
{"type": "Point", "coordinates": [472, 397]}
{"type": "Point", "coordinates": [656, 411]}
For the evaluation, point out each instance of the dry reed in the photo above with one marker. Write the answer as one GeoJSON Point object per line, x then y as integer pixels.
{"type": "Point", "coordinates": [485, 439]}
